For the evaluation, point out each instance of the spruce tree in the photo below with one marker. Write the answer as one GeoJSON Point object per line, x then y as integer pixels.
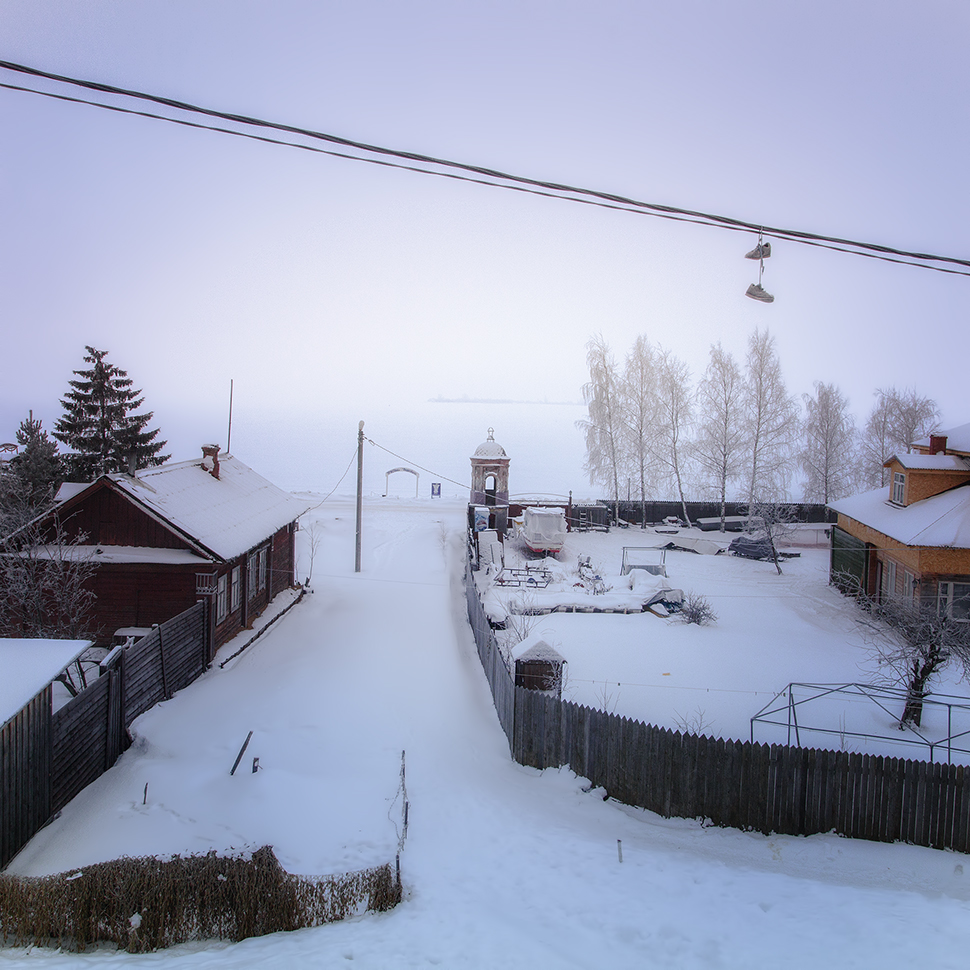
{"type": "Point", "coordinates": [38, 466]}
{"type": "Point", "coordinates": [101, 425]}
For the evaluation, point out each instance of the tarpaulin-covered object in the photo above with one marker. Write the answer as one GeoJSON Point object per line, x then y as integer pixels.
{"type": "Point", "coordinates": [544, 530]}
{"type": "Point", "coordinates": [752, 547]}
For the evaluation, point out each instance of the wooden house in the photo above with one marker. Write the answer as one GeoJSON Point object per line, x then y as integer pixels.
{"type": "Point", "coordinates": [168, 536]}
{"type": "Point", "coordinates": [911, 540]}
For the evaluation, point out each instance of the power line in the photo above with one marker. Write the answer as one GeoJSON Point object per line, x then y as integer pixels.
{"type": "Point", "coordinates": [394, 454]}
{"type": "Point", "coordinates": [481, 174]}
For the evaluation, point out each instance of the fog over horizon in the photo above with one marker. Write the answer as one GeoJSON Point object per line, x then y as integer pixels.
{"type": "Point", "coordinates": [330, 291]}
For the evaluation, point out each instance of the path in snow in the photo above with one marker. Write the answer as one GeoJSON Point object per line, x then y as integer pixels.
{"type": "Point", "coordinates": [504, 865]}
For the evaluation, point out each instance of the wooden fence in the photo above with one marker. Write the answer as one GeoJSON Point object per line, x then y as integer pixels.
{"type": "Point", "coordinates": [500, 679]}
{"type": "Point", "coordinates": [47, 758]}
{"type": "Point", "coordinates": [657, 511]}
{"type": "Point", "coordinates": [91, 730]}
{"type": "Point", "coordinates": [764, 788]}
{"type": "Point", "coordinates": [24, 774]}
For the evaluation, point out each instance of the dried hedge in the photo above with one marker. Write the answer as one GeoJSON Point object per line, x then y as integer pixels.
{"type": "Point", "coordinates": [146, 903]}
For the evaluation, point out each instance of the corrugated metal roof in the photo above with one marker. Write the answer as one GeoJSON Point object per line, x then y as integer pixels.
{"type": "Point", "coordinates": [229, 515]}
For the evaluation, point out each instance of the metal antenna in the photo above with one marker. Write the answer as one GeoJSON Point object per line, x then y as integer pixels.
{"type": "Point", "coordinates": [229, 434]}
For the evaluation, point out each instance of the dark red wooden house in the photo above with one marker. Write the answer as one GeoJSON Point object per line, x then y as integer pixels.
{"type": "Point", "coordinates": [166, 537]}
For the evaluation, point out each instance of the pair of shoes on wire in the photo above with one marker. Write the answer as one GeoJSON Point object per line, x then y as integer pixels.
{"type": "Point", "coordinates": [761, 251]}
{"type": "Point", "coordinates": [757, 292]}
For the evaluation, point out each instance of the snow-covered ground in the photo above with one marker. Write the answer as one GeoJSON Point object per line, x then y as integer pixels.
{"type": "Point", "coordinates": [771, 630]}
{"type": "Point", "coordinates": [504, 865]}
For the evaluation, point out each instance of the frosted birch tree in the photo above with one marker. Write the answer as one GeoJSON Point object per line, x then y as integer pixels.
{"type": "Point", "coordinates": [771, 422]}
{"type": "Point", "coordinates": [914, 417]}
{"type": "Point", "coordinates": [640, 417]}
{"type": "Point", "coordinates": [874, 443]}
{"type": "Point", "coordinates": [828, 455]}
{"type": "Point", "coordinates": [897, 419]}
{"type": "Point", "coordinates": [719, 444]}
{"type": "Point", "coordinates": [675, 414]}
{"type": "Point", "coordinates": [603, 428]}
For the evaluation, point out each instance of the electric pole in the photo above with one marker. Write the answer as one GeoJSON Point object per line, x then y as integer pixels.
{"type": "Point", "coordinates": [360, 488]}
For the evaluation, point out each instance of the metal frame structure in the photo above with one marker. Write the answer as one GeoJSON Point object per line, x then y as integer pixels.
{"type": "Point", "coordinates": [882, 697]}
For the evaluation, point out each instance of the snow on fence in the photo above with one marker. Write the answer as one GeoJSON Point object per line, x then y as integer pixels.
{"type": "Point", "coordinates": [744, 785]}
{"type": "Point", "coordinates": [499, 676]}
{"type": "Point", "coordinates": [82, 739]}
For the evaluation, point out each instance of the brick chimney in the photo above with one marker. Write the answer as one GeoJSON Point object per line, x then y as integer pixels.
{"type": "Point", "coordinates": [210, 459]}
{"type": "Point", "coordinates": [937, 444]}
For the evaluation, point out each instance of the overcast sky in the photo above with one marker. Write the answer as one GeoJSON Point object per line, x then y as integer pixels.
{"type": "Point", "coordinates": [324, 286]}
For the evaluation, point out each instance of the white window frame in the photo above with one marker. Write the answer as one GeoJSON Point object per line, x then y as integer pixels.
{"type": "Point", "coordinates": [888, 587]}
{"type": "Point", "coordinates": [222, 598]}
{"type": "Point", "coordinates": [909, 588]}
{"type": "Point", "coordinates": [899, 488]}
{"type": "Point", "coordinates": [263, 556]}
{"type": "Point", "coordinates": [950, 593]}
{"type": "Point", "coordinates": [236, 587]}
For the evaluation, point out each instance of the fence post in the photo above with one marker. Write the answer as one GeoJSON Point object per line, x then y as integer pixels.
{"type": "Point", "coordinates": [161, 653]}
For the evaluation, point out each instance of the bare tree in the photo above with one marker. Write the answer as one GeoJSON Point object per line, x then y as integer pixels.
{"type": "Point", "coordinates": [897, 419]}
{"type": "Point", "coordinates": [828, 455]}
{"type": "Point", "coordinates": [773, 522]}
{"type": "Point", "coordinates": [913, 642]}
{"type": "Point", "coordinates": [603, 396]}
{"type": "Point", "coordinates": [771, 420]}
{"type": "Point", "coordinates": [720, 438]}
{"type": "Point", "coordinates": [914, 417]}
{"type": "Point", "coordinates": [45, 584]}
{"type": "Point", "coordinates": [675, 413]}
{"type": "Point", "coordinates": [640, 417]}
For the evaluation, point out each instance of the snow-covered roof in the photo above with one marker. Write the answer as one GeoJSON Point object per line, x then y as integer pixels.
{"type": "Point", "coordinates": [940, 520]}
{"type": "Point", "coordinates": [533, 647]}
{"type": "Point", "coordinates": [123, 554]}
{"type": "Point", "coordinates": [221, 517]}
{"type": "Point", "coordinates": [228, 515]}
{"type": "Point", "coordinates": [957, 439]}
{"type": "Point", "coordinates": [490, 448]}
{"type": "Point", "coordinates": [69, 490]}
{"type": "Point", "coordinates": [28, 666]}
{"type": "Point", "coordinates": [939, 462]}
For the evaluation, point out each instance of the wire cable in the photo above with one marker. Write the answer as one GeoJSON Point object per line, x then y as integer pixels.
{"type": "Point", "coordinates": [444, 478]}
{"type": "Point", "coordinates": [334, 489]}
{"type": "Point", "coordinates": [521, 183]}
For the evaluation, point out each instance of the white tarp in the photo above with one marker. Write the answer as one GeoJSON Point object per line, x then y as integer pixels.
{"type": "Point", "coordinates": [544, 529]}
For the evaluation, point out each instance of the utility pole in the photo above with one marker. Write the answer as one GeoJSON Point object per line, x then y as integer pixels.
{"type": "Point", "coordinates": [360, 488]}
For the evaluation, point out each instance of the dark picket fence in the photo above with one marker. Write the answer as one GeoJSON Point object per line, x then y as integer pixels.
{"type": "Point", "coordinates": [757, 787]}
{"type": "Point", "coordinates": [47, 758]}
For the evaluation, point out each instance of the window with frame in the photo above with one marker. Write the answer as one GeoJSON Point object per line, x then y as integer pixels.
{"type": "Point", "coordinates": [887, 589]}
{"type": "Point", "coordinates": [909, 588]}
{"type": "Point", "coordinates": [222, 599]}
{"type": "Point", "coordinates": [263, 556]}
{"type": "Point", "coordinates": [236, 588]}
{"type": "Point", "coordinates": [899, 487]}
{"type": "Point", "coordinates": [954, 601]}
{"type": "Point", "coordinates": [252, 574]}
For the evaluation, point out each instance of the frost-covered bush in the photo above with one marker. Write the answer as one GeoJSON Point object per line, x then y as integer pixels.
{"type": "Point", "coordinates": [697, 609]}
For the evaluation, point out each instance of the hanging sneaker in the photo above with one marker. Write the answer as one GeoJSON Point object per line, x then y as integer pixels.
{"type": "Point", "coordinates": [756, 292]}
{"type": "Point", "coordinates": [761, 251]}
